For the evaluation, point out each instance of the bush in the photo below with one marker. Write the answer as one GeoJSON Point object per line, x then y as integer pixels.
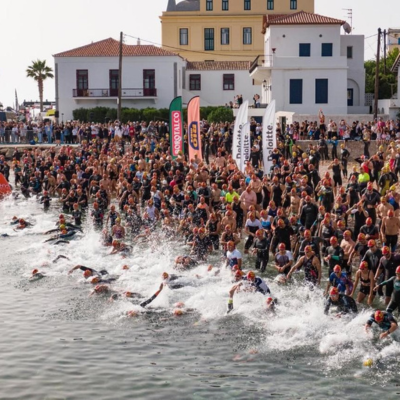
{"type": "Point", "coordinates": [80, 114]}
{"type": "Point", "coordinates": [220, 114]}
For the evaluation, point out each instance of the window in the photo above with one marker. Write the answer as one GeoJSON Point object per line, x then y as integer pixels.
{"type": "Point", "coordinates": [398, 41]}
{"type": "Point", "coordinates": [194, 82]}
{"type": "Point", "coordinates": [321, 91]}
{"type": "Point", "coordinates": [296, 91]}
{"type": "Point", "coordinates": [209, 39]}
{"type": "Point", "coordinates": [247, 36]}
{"type": "Point", "coordinates": [209, 5]}
{"type": "Point", "coordinates": [350, 97]}
{"type": "Point", "coordinates": [304, 49]}
{"type": "Point", "coordinates": [82, 79]}
{"type": "Point", "coordinates": [114, 82]}
{"type": "Point", "coordinates": [349, 51]}
{"type": "Point", "coordinates": [247, 4]}
{"type": "Point", "coordinates": [229, 82]}
{"type": "Point", "coordinates": [149, 82]}
{"type": "Point", "coordinates": [225, 5]}
{"type": "Point", "coordinates": [183, 36]}
{"type": "Point", "coordinates": [326, 50]}
{"type": "Point", "coordinates": [293, 4]}
{"type": "Point", "coordinates": [224, 35]}
{"type": "Point", "coordinates": [270, 4]}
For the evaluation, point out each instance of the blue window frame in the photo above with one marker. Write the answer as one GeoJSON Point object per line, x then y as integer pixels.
{"type": "Point", "coordinates": [209, 5]}
{"type": "Point", "coordinates": [304, 49]}
{"type": "Point", "coordinates": [326, 49]}
{"type": "Point", "coordinates": [224, 36]}
{"type": "Point", "coordinates": [293, 4]}
{"type": "Point", "coordinates": [225, 5]}
{"type": "Point", "coordinates": [321, 91]}
{"type": "Point", "coordinates": [247, 4]}
{"type": "Point", "coordinates": [270, 4]}
{"type": "Point", "coordinates": [296, 91]}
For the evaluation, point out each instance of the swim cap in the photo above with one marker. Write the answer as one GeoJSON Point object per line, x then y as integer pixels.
{"type": "Point", "coordinates": [390, 213]}
{"type": "Point", "coordinates": [282, 246]}
{"type": "Point", "coordinates": [35, 271]}
{"type": "Point", "coordinates": [307, 233]}
{"type": "Point", "coordinates": [363, 265]}
{"type": "Point", "coordinates": [125, 267]}
{"type": "Point", "coordinates": [179, 304]}
{"type": "Point", "coordinates": [209, 268]}
{"type": "Point", "coordinates": [337, 268]}
{"type": "Point", "coordinates": [239, 273]}
{"type": "Point", "coordinates": [132, 313]}
{"type": "Point", "coordinates": [398, 270]}
{"type": "Point", "coordinates": [385, 250]}
{"type": "Point", "coordinates": [178, 312]}
{"type": "Point", "coordinates": [371, 243]}
{"type": "Point", "coordinates": [307, 249]}
{"type": "Point", "coordinates": [235, 267]}
{"type": "Point", "coordinates": [334, 291]}
{"type": "Point", "coordinates": [269, 300]}
{"type": "Point", "coordinates": [95, 279]}
{"type": "Point", "coordinates": [62, 227]}
{"type": "Point", "coordinates": [368, 221]}
{"type": "Point", "coordinates": [333, 240]}
{"type": "Point", "coordinates": [251, 275]}
{"type": "Point", "coordinates": [259, 233]}
{"type": "Point", "coordinates": [165, 275]}
{"type": "Point", "coordinates": [87, 273]}
{"type": "Point", "coordinates": [361, 236]}
{"type": "Point", "coordinates": [379, 315]}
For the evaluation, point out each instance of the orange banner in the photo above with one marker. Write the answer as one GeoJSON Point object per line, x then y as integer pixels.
{"type": "Point", "coordinates": [194, 134]}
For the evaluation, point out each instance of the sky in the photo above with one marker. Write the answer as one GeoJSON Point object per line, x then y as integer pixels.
{"type": "Point", "coordinates": [38, 29]}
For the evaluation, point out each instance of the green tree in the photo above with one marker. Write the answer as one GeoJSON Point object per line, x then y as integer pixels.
{"type": "Point", "coordinates": [387, 80]}
{"type": "Point", "coordinates": [39, 71]}
{"type": "Point", "coordinates": [220, 114]}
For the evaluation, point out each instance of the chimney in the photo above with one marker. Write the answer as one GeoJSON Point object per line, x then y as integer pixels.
{"type": "Point", "coordinates": [171, 5]}
{"type": "Point", "coordinates": [138, 42]}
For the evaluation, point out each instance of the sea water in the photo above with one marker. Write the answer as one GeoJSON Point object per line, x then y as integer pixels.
{"type": "Point", "coordinates": [57, 342]}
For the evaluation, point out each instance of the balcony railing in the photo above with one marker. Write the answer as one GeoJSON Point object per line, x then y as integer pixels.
{"type": "Point", "coordinates": [138, 92]}
{"type": "Point", "coordinates": [261, 61]}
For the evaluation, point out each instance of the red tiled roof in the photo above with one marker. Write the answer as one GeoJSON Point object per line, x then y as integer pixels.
{"type": "Point", "coordinates": [299, 18]}
{"type": "Point", "coordinates": [110, 48]}
{"type": "Point", "coordinates": [218, 65]}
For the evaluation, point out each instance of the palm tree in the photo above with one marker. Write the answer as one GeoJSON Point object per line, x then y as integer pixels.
{"type": "Point", "coordinates": [39, 71]}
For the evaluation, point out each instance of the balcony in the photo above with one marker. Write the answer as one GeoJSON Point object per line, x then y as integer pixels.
{"type": "Point", "coordinates": [111, 93]}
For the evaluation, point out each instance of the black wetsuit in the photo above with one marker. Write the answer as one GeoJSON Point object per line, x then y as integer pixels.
{"type": "Point", "coordinates": [262, 247]}
{"type": "Point", "coordinates": [345, 304]}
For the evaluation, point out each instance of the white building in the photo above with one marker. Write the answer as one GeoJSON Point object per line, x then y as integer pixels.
{"type": "Point", "coordinates": [308, 65]}
{"type": "Point", "coordinates": [88, 77]}
{"type": "Point", "coordinates": [217, 82]}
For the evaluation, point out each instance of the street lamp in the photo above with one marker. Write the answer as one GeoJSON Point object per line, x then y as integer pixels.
{"type": "Point", "coordinates": [62, 118]}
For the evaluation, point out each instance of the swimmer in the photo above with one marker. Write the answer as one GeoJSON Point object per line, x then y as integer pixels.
{"type": "Point", "coordinates": [185, 262]}
{"type": "Point", "coordinates": [100, 289]}
{"type": "Point", "coordinates": [271, 304]}
{"type": "Point", "coordinates": [384, 320]}
{"type": "Point", "coordinates": [119, 247]}
{"type": "Point", "coordinates": [250, 282]}
{"type": "Point", "coordinates": [345, 304]}
{"type": "Point", "coordinates": [36, 275]}
{"type": "Point", "coordinates": [22, 224]}
{"type": "Point", "coordinates": [61, 257]}
{"type": "Point", "coordinates": [88, 272]}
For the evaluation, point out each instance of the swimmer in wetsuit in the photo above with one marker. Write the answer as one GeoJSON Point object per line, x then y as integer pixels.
{"type": "Point", "coordinates": [345, 304]}
{"type": "Point", "coordinates": [250, 282]}
{"type": "Point", "coordinates": [36, 275]}
{"type": "Point", "coordinates": [185, 262]}
{"type": "Point", "coordinates": [88, 272]}
{"type": "Point", "coordinates": [395, 297]}
{"type": "Point", "coordinates": [119, 247]}
{"type": "Point", "coordinates": [384, 320]}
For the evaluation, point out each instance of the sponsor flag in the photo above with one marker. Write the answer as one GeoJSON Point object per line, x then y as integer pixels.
{"type": "Point", "coordinates": [194, 138]}
{"type": "Point", "coordinates": [240, 120]}
{"type": "Point", "coordinates": [245, 146]}
{"type": "Point", "coordinates": [269, 136]}
{"type": "Point", "coordinates": [176, 127]}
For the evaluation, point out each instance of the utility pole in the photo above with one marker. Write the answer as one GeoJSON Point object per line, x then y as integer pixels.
{"type": "Point", "coordinates": [384, 49]}
{"type": "Point", "coordinates": [121, 39]}
{"type": "Point", "coordinates": [377, 74]}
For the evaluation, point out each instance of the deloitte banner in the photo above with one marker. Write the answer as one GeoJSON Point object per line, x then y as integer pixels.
{"type": "Point", "coordinates": [245, 146]}
{"type": "Point", "coordinates": [194, 138]}
{"type": "Point", "coordinates": [241, 119]}
{"type": "Point", "coordinates": [269, 136]}
{"type": "Point", "coordinates": [176, 127]}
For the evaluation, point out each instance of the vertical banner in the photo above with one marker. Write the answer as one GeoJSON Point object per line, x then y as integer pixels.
{"type": "Point", "coordinates": [194, 138]}
{"type": "Point", "coordinates": [245, 146]}
{"type": "Point", "coordinates": [176, 127]}
{"type": "Point", "coordinates": [268, 136]}
{"type": "Point", "coordinates": [240, 120]}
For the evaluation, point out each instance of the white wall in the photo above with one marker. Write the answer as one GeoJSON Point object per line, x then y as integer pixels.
{"type": "Point", "coordinates": [212, 93]}
{"type": "Point", "coordinates": [286, 38]}
{"type": "Point", "coordinates": [337, 90]}
{"type": "Point", "coordinates": [132, 77]}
